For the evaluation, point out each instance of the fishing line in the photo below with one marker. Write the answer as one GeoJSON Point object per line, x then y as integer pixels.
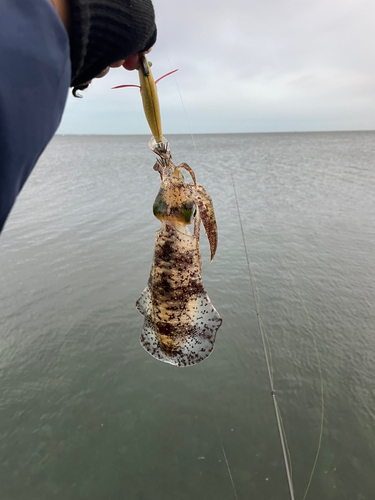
{"type": "Point", "coordinates": [230, 474]}
{"type": "Point", "coordinates": [272, 377]}
{"type": "Point", "coordinates": [284, 444]}
{"type": "Point", "coordinates": [215, 416]}
{"type": "Point", "coordinates": [183, 105]}
{"type": "Point", "coordinates": [221, 443]}
{"type": "Point", "coordinates": [262, 334]}
{"type": "Point", "coordinates": [320, 377]}
{"type": "Point", "coordinates": [268, 357]}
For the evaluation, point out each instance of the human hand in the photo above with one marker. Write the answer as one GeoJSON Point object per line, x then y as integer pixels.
{"type": "Point", "coordinates": [130, 63]}
{"type": "Point", "coordinates": [133, 62]}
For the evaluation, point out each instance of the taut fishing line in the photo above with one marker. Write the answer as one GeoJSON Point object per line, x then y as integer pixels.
{"type": "Point", "coordinates": [282, 434]}
{"type": "Point", "coordinates": [215, 416]}
{"type": "Point", "coordinates": [320, 379]}
{"type": "Point", "coordinates": [267, 353]}
{"type": "Point", "coordinates": [262, 334]}
{"type": "Point", "coordinates": [183, 105]}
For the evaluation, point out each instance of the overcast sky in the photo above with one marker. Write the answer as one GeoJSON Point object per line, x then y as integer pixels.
{"type": "Point", "coordinates": [246, 66]}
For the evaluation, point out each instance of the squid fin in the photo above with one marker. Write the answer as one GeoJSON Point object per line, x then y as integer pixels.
{"type": "Point", "coordinates": [187, 346]}
{"type": "Point", "coordinates": [143, 304]}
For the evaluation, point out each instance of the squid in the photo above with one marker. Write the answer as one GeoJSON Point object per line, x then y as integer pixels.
{"type": "Point", "coordinates": [180, 321]}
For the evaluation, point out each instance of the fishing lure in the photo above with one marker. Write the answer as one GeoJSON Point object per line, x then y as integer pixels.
{"type": "Point", "coordinates": [180, 321]}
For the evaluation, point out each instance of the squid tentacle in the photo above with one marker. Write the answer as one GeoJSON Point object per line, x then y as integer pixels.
{"type": "Point", "coordinates": [206, 212]}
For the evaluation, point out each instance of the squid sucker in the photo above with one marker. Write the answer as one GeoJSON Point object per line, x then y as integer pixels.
{"type": "Point", "coordinates": [180, 321]}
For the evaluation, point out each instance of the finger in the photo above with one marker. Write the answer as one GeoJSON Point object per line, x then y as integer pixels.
{"type": "Point", "coordinates": [131, 62]}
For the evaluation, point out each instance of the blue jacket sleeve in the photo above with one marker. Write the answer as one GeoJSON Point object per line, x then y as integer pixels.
{"type": "Point", "coordinates": [35, 77]}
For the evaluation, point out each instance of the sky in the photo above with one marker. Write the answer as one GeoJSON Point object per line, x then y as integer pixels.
{"type": "Point", "coordinates": [246, 66]}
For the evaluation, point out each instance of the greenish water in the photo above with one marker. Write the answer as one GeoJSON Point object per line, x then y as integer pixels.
{"type": "Point", "coordinates": [86, 413]}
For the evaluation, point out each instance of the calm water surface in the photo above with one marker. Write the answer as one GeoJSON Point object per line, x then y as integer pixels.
{"type": "Point", "coordinates": [86, 413]}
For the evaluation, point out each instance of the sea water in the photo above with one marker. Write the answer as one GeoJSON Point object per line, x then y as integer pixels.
{"type": "Point", "coordinates": [86, 413]}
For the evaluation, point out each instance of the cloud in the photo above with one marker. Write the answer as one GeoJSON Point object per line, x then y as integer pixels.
{"type": "Point", "coordinates": [263, 65]}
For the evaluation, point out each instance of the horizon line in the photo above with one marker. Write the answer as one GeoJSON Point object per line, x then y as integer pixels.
{"type": "Point", "coordinates": [228, 133]}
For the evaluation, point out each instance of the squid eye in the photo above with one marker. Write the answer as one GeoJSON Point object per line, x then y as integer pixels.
{"type": "Point", "coordinates": [187, 212]}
